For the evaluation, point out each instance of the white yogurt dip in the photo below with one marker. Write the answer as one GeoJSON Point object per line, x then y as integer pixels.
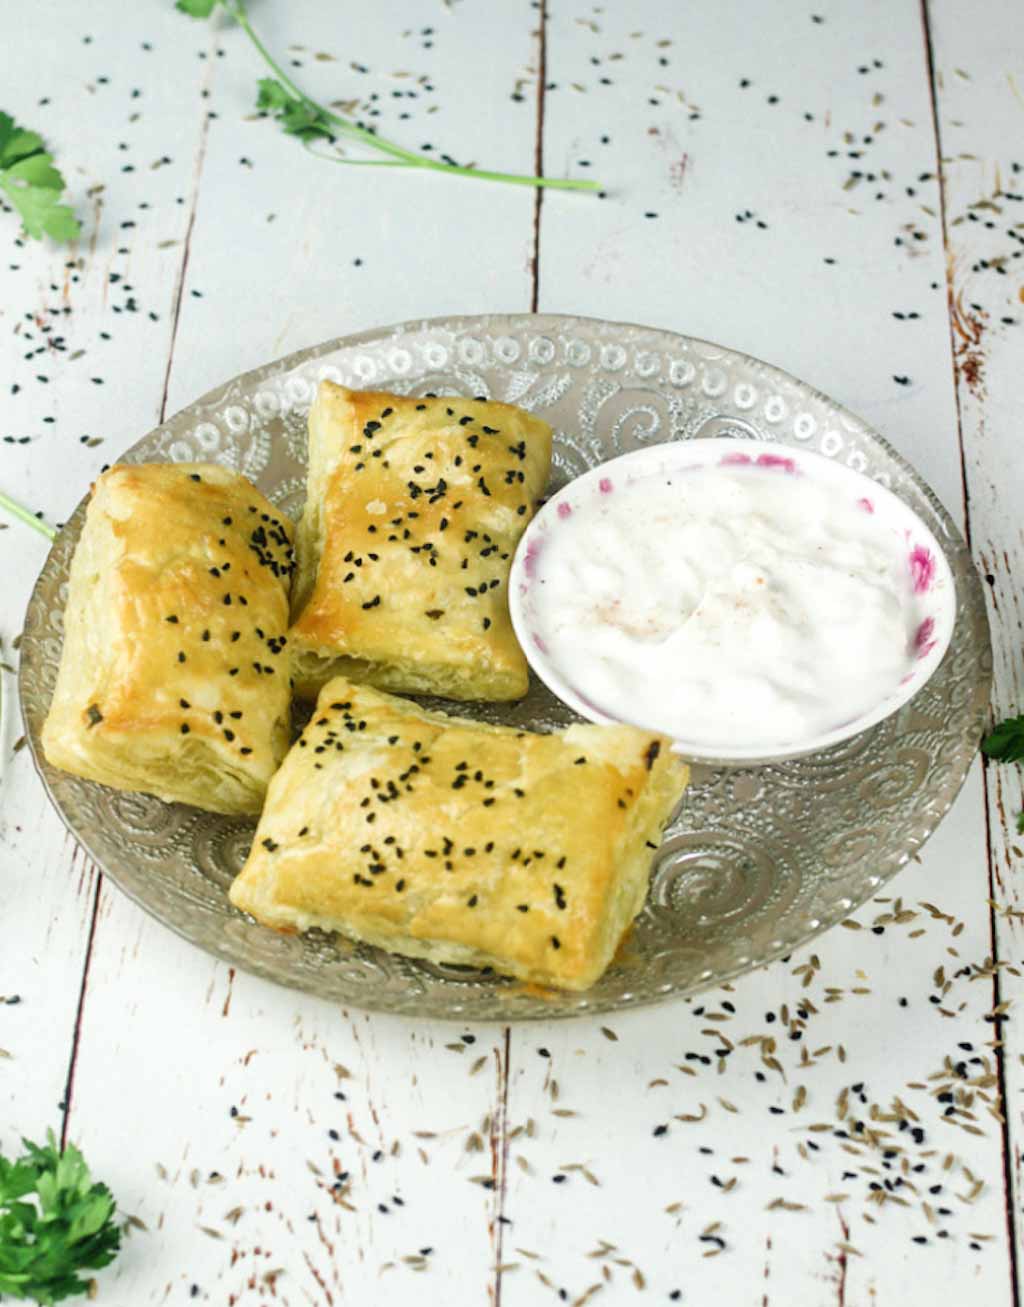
{"type": "Point", "coordinates": [744, 604]}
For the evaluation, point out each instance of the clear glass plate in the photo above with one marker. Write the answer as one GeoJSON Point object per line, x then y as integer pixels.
{"type": "Point", "coordinates": [758, 861]}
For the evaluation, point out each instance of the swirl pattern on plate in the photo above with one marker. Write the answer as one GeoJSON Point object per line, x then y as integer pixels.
{"type": "Point", "coordinates": [755, 863]}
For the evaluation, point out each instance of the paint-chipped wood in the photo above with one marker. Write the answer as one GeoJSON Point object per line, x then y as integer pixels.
{"type": "Point", "coordinates": [979, 77]}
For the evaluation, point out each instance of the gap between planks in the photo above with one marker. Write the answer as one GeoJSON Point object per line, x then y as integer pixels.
{"type": "Point", "coordinates": [69, 1082]}
{"type": "Point", "coordinates": [500, 1144]}
{"type": "Point", "coordinates": [538, 150]}
{"type": "Point", "coordinates": [997, 998]}
{"type": "Point", "coordinates": [501, 1141]}
{"type": "Point", "coordinates": [179, 289]}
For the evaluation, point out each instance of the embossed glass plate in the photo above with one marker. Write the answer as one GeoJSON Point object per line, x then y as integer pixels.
{"type": "Point", "coordinates": [758, 860]}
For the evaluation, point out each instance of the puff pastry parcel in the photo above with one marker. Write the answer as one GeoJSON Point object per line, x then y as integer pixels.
{"type": "Point", "coordinates": [174, 674]}
{"type": "Point", "coordinates": [413, 511]}
{"type": "Point", "coordinates": [448, 839]}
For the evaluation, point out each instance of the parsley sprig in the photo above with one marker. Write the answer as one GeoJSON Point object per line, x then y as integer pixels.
{"type": "Point", "coordinates": [55, 1223]}
{"type": "Point", "coordinates": [32, 184]}
{"type": "Point", "coordinates": [1005, 743]}
{"type": "Point", "coordinates": [302, 116]}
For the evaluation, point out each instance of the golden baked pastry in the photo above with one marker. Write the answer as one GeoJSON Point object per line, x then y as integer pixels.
{"type": "Point", "coordinates": [414, 508]}
{"type": "Point", "coordinates": [448, 839]}
{"type": "Point", "coordinates": [174, 673]}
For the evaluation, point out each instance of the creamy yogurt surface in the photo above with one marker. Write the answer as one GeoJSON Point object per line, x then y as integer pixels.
{"type": "Point", "coordinates": [731, 605]}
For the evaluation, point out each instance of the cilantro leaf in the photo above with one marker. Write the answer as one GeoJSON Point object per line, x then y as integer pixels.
{"type": "Point", "coordinates": [33, 184]}
{"type": "Point", "coordinates": [273, 95]}
{"type": "Point", "coordinates": [1006, 742]}
{"type": "Point", "coordinates": [15, 142]}
{"type": "Point", "coordinates": [55, 1222]}
{"type": "Point", "coordinates": [297, 115]}
{"type": "Point", "coordinates": [197, 8]}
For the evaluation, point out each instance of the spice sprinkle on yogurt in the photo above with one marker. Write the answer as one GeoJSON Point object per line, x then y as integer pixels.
{"type": "Point", "coordinates": [745, 603]}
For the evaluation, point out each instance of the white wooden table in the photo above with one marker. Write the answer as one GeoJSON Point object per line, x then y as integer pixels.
{"type": "Point", "coordinates": [835, 187]}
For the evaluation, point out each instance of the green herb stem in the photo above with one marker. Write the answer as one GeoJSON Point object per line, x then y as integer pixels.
{"type": "Point", "coordinates": [23, 515]}
{"type": "Point", "coordinates": [518, 179]}
{"type": "Point", "coordinates": [238, 11]}
{"type": "Point", "coordinates": [354, 163]}
{"type": "Point", "coordinates": [511, 178]}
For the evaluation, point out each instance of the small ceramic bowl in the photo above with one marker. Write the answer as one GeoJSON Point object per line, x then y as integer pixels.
{"type": "Point", "coordinates": [928, 574]}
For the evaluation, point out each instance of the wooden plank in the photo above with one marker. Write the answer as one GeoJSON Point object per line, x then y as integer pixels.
{"type": "Point", "coordinates": [72, 399]}
{"type": "Point", "coordinates": [696, 267]}
{"type": "Point", "coordinates": [49, 894]}
{"type": "Point", "coordinates": [353, 1155]}
{"type": "Point", "coordinates": [677, 1117]}
{"type": "Point", "coordinates": [299, 251]}
{"type": "Point", "coordinates": [417, 1164]}
{"type": "Point", "coordinates": [979, 84]}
